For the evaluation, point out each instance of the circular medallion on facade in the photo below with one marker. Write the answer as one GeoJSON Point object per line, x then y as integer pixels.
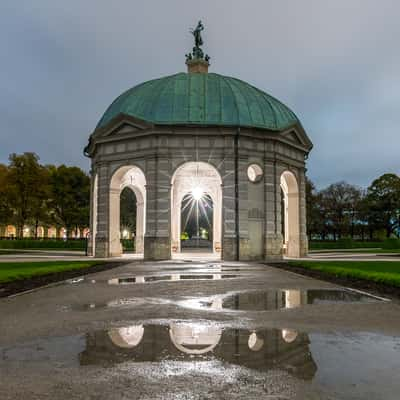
{"type": "Point", "coordinates": [254, 173]}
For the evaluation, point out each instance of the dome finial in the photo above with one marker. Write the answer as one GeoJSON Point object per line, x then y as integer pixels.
{"type": "Point", "coordinates": [196, 60]}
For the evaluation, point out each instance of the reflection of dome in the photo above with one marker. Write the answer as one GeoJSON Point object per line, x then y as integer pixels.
{"type": "Point", "coordinates": [201, 99]}
{"type": "Point", "coordinates": [255, 342]}
{"type": "Point", "coordinates": [126, 337]}
{"type": "Point", "coordinates": [194, 338]}
{"type": "Point", "coordinates": [289, 335]}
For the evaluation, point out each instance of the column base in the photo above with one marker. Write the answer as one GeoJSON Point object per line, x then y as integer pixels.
{"type": "Point", "coordinates": [157, 248]}
{"type": "Point", "coordinates": [273, 248]}
{"type": "Point", "coordinates": [229, 248]}
{"type": "Point", "coordinates": [101, 250]}
{"type": "Point", "coordinates": [303, 245]}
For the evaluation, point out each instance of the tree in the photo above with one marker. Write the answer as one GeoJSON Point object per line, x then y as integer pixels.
{"type": "Point", "coordinates": [24, 183]}
{"type": "Point", "coordinates": [340, 202]}
{"type": "Point", "coordinates": [5, 207]}
{"type": "Point", "coordinates": [70, 197]}
{"type": "Point", "coordinates": [315, 217]}
{"type": "Point", "coordinates": [41, 212]}
{"type": "Point", "coordinates": [383, 197]}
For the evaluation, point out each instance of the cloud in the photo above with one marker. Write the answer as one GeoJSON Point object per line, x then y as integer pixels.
{"type": "Point", "coordinates": [334, 63]}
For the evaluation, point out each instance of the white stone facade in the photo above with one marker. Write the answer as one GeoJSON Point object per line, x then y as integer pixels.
{"type": "Point", "coordinates": [155, 157]}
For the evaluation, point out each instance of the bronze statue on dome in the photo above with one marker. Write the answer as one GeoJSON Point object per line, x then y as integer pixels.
{"type": "Point", "coordinates": [198, 40]}
{"type": "Point", "coordinates": [197, 52]}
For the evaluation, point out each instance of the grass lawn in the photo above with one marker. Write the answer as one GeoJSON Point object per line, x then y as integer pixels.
{"type": "Point", "coordinates": [386, 272]}
{"type": "Point", "coordinates": [371, 251]}
{"type": "Point", "coordinates": [21, 270]}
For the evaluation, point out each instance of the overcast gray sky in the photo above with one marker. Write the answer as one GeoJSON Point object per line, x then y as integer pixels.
{"type": "Point", "coordinates": [335, 63]}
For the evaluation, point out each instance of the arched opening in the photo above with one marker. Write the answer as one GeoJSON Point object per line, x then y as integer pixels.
{"type": "Point", "coordinates": [52, 232]}
{"type": "Point", "coordinates": [133, 179]}
{"type": "Point", "coordinates": [289, 335]}
{"type": "Point", "coordinates": [196, 222]}
{"type": "Point", "coordinates": [290, 214]}
{"type": "Point", "coordinates": [127, 220]}
{"type": "Point", "coordinates": [40, 232]}
{"type": "Point", "coordinates": [127, 337]}
{"type": "Point", "coordinates": [194, 338]}
{"type": "Point", "coordinates": [255, 342]}
{"type": "Point", "coordinates": [11, 231]}
{"type": "Point", "coordinates": [196, 208]}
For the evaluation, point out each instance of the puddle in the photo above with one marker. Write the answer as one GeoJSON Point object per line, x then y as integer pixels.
{"type": "Point", "coordinates": [80, 279]}
{"type": "Point", "coordinates": [352, 365]}
{"type": "Point", "coordinates": [171, 277]}
{"type": "Point", "coordinates": [258, 350]}
{"type": "Point", "coordinates": [255, 349]}
{"type": "Point", "coordinates": [270, 300]}
{"type": "Point", "coordinates": [117, 303]}
{"type": "Point", "coordinates": [357, 365]}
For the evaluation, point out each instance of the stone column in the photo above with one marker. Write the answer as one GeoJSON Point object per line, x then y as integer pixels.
{"type": "Point", "coordinates": [93, 210]}
{"type": "Point", "coordinates": [273, 234]}
{"type": "Point", "coordinates": [302, 213]}
{"type": "Point", "coordinates": [228, 210]}
{"type": "Point", "coordinates": [114, 232]}
{"type": "Point", "coordinates": [102, 234]}
{"type": "Point", "coordinates": [157, 240]}
{"type": "Point", "coordinates": [139, 238]}
{"type": "Point", "coordinates": [244, 245]}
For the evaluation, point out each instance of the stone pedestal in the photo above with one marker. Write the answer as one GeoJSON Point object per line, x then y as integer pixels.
{"type": "Point", "coordinates": [197, 66]}
{"type": "Point", "coordinates": [273, 247]}
{"type": "Point", "coordinates": [229, 248]}
{"type": "Point", "coordinates": [102, 247]}
{"type": "Point", "coordinates": [157, 248]}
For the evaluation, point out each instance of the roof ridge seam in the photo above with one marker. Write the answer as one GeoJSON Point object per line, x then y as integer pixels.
{"type": "Point", "coordinates": [160, 94]}
{"type": "Point", "coordinates": [226, 80]}
{"type": "Point", "coordinates": [245, 98]}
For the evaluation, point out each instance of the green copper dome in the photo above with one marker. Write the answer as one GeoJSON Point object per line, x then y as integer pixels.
{"type": "Point", "coordinates": [201, 99]}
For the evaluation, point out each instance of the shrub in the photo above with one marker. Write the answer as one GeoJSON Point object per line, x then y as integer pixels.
{"type": "Point", "coordinates": [74, 244]}
{"type": "Point", "coordinates": [391, 243]}
{"type": "Point", "coordinates": [128, 244]}
{"type": "Point", "coordinates": [343, 244]}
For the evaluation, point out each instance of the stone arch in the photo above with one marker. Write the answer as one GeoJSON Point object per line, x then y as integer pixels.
{"type": "Point", "coordinates": [127, 337]}
{"type": "Point", "coordinates": [11, 231]}
{"type": "Point", "coordinates": [187, 177]}
{"type": "Point", "coordinates": [290, 214]}
{"type": "Point", "coordinates": [40, 231]}
{"type": "Point", "coordinates": [133, 177]}
{"type": "Point", "coordinates": [194, 338]}
{"type": "Point", "coordinates": [255, 341]}
{"type": "Point", "coordinates": [289, 335]}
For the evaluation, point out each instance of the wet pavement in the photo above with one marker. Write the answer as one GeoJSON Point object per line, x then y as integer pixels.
{"type": "Point", "coordinates": [196, 330]}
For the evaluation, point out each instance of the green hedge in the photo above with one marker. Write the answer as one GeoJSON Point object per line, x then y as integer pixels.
{"type": "Point", "coordinates": [128, 244]}
{"type": "Point", "coordinates": [343, 244]}
{"type": "Point", "coordinates": [42, 244]}
{"type": "Point", "coordinates": [392, 243]}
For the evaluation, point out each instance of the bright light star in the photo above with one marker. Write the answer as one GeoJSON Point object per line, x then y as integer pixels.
{"type": "Point", "coordinates": [197, 193]}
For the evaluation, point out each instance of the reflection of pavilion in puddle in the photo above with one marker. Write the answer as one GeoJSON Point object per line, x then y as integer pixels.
{"type": "Point", "coordinates": [171, 277]}
{"type": "Point", "coordinates": [269, 300]}
{"type": "Point", "coordinates": [256, 349]}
